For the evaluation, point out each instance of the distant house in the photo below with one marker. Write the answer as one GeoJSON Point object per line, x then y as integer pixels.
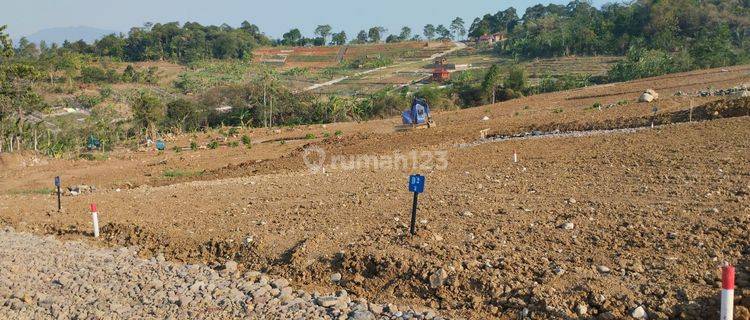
{"type": "Point", "coordinates": [441, 74]}
{"type": "Point", "coordinates": [491, 38]}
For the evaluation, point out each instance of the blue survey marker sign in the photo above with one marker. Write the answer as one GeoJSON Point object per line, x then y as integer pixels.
{"type": "Point", "coordinates": [416, 183]}
{"type": "Point", "coordinates": [57, 185]}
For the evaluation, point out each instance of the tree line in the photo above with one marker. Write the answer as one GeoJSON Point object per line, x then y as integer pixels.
{"type": "Point", "coordinates": [169, 41]}
{"type": "Point", "coordinates": [710, 33]}
{"type": "Point", "coordinates": [376, 34]}
{"type": "Point", "coordinates": [192, 41]}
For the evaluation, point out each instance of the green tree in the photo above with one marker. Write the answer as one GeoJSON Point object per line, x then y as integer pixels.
{"type": "Point", "coordinates": [6, 46]}
{"type": "Point", "coordinates": [479, 27]}
{"type": "Point", "coordinates": [405, 34]}
{"type": "Point", "coordinates": [490, 82]}
{"type": "Point", "coordinates": [443, 32]}
{"type": "Point", "coordinates": [183, 114]}
{"type": "Point", "coordinates": [339, 38]}
{"type": "Point", "coordinates": [148, 111]}
{"type": "Point", "coordinates": [110, 46]}
{"type": "Point", "coordinates": [26, 49]}
{"type": "Point", "coordinates": [375, 34]}
{"type": "Point", "coordinates": [429, 32]}
{"type": "Point", "coordinates": [17, 96]}
{"type": "Point", "coordinates": [458, 28]}
{"type": "Point", "coordinates": [516, 79]}
{"type": "Point", "coordinates": [713, 48]}
{"type": "Point", "coordinates": [323, 31]}
{"type": "Point", "coordinates": [361, 37]}
{"type": "Point", "coordinates": [292, 38]}
{"type": "Point", "coordinates": [70, 63]}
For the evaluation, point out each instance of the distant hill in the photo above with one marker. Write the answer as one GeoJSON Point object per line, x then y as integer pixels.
{"type": "Point", "coordinates": [58, 35]}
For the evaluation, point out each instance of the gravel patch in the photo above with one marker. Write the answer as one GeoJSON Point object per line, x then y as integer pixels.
{"type": "Point", "coordinates": [43, 278]}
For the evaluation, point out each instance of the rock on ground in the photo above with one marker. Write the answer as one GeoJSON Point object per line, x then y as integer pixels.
{"type": "Point", "coordinates": [44, 278]}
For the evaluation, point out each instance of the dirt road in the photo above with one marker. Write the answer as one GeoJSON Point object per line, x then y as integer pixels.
{"type": "Point", "coordinates": [457, 46]}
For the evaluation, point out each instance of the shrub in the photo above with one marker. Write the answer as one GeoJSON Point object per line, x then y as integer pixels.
{"type": "Point", "coordinates": [93, 74]}
{"type": "Point", "coordinates": [310, 136]}
{"type": "Point", "coordinates": [234, 144]}
{"type": "Point", "coordinates": [193, 145]}
{"type": "Point", "coordinates": [338, 133]}
{"type": "Point", "coordinates": [246, 140]}
{"type": "Point", "coordinates": [642, 63]}
{"type": "Point", "coordinates": [213, 144]}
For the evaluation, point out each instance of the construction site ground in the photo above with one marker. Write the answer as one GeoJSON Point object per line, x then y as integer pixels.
{"type": "Point", "coordinates": [589, 226]}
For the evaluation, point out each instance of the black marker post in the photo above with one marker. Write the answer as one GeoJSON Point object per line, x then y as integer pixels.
{"type": "Point", "coordinates": [57, 184]}
{"type": "Point", "coordinates": [416, 185]}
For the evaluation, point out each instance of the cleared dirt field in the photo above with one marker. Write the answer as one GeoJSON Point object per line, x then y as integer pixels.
{"type": "Point", "coordinates": [601, 223]}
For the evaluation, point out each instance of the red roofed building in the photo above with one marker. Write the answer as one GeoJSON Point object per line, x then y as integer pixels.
{"type": "Point", "coordinates": [492, 38]}
{"type": "Point", "coordinates": [440, 75]}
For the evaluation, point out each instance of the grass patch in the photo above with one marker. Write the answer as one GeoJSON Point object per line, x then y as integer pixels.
{"type": "Point", "coordinates": [179, 173]}
{"type": "Point", "coordinates": [31, 191]}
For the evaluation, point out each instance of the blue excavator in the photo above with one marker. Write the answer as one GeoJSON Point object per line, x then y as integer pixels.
{"type": "Point", "coordinates": [417, 117]}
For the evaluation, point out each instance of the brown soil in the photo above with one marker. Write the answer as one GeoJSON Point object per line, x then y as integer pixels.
{"type": "Point", "coordinates": [661, 208]}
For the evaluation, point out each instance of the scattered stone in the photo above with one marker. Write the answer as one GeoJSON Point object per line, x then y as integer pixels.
{"type": "Point", "coordinates": [336, 277]}
{"type": "Point", "coordinates": [485, 118]}
{"type": "Point", "coordinates": [327, 301]}
{"type": "Point", "coordinates": [248, 240]}
{"type": "Point", "coordinates": [559, 271]}
{"type": "Point", "coordinates": [280, 283]}
{"type": "Point", "coordinates": [467, 213]}
{"type": "Point", "coordinates": [361, 315]}
{"type": "Point", "coordinates": [152, 288]}
{"type": "Point", "coordinates": [376, 308]}
{"type": "Point", "coordinates": [648, 96]}
{"type": "Point", "coordinates": [567, 226]}
{"type": "Point", "coordinates": [80, 189]}
{"type": "Point", "coordinates": [639, 313]}
{"type": "Point", "coordinates": [582, 309]}
{"type": "Point", "coordinates": [438, 278]}
{"type": "Point", "coordinates": [230, 266]}
{"type": "Point", "coordinates": [603, 269]}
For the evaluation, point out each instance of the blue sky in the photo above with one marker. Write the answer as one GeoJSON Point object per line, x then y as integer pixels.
{"type": "Point", "coordinates": [274, 17]}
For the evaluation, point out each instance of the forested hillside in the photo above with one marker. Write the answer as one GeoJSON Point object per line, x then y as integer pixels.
{"type": "Point", "coordinates": [118, 83]}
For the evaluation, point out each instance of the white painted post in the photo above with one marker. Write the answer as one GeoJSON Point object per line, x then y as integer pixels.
{"type": "Point", "coordinates": [95, 218]}
{"type": "Point", "coordinates": [727, 292]}
{"type": "Point", "coordinates": [515, 156]}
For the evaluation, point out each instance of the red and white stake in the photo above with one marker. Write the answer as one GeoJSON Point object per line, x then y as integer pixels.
{"type": "Point", "coordinates": [727, 292]}
{"type": "Point", "coordinates": [515, 156]}
{"type": "Point", "coordinates": [95, 218]}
